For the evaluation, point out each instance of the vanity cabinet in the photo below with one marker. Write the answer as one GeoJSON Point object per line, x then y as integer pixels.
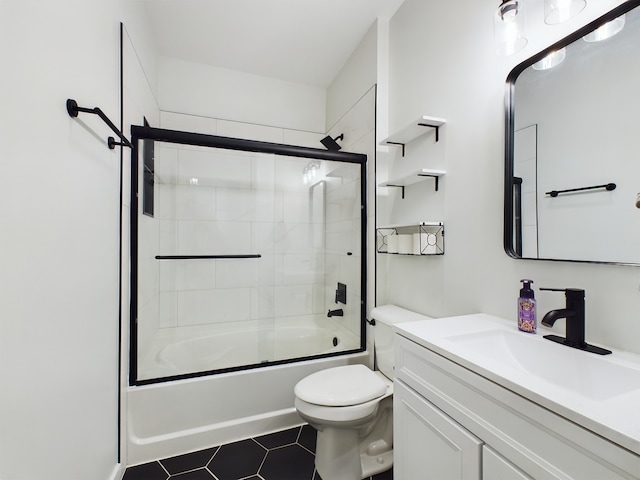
{"type": "Point", "coordinates": [450, 422]}
{"type": "Point", "coordinates": [496, 467]}
{"type": "Point", "coordinates": [429, 444]}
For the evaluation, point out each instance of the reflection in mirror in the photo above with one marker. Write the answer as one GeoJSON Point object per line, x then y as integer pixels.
{"type": "Point", "coordinates": [572, 172]}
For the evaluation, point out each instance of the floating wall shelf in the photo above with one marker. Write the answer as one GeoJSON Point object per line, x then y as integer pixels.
{"type": "Point", "coordinates": [414, 177]}
{"type": "Point", "coordinates": [414, 130]}
{"type": "Point", "coordinates": [425, 238]}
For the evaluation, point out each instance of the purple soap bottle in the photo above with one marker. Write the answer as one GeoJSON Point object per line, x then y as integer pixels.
{"type": "Point", "coordinates": [527, 308]}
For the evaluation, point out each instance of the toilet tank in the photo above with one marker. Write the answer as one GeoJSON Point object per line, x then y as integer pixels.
{"type": "Point", "coordinates": [383, 335]}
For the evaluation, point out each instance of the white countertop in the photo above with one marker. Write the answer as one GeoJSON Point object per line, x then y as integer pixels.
{"type": "Point", "coordinates": [601, 393]}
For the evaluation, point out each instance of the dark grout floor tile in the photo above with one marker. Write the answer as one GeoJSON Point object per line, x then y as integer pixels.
{"type": "Point", "coordinates": [200, 474]}
{"type": "Point", "coordinates": [288, 463]}
{"type": "Point", "coordinates": [388, 475]}
{"type": "Point", "coordinates": [279, 439]}
{"type": "Point", "coordinates": [237, 460]}
{"type": "Point", "coordinates": [188, 461]}
{"type": "Point", "coordinates": [307, 438]}
{"type": "Point", "coordinates": [285, 455]}
{"type": "Point", "coordinates": [148, 471]}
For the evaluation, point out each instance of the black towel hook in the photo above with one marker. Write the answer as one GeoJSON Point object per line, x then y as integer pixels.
{"type": "Point", "coordinates": [73, 109]}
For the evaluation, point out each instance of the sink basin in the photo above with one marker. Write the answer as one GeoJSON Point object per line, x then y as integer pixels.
{"type": "Point", "coordinates": [599, 393]}
{"type": "Point", "coordinates": [587, 374]}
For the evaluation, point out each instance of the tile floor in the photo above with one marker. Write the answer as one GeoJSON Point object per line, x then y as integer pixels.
{"type": "Point", "coordinates": [286, 455]}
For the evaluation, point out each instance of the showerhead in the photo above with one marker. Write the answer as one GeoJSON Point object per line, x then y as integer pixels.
{"type": "Point", "coordinates": [331, 144]}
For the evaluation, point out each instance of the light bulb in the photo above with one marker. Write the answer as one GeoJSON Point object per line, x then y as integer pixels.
{"type": "Point", "coordinates": [551, 60]}
{"type": "Point", "coordinates": [558, 11]}
{"type": "Point", "coordinates": [509, 27]}
{"type": "Point", "coordinates": [607, 30]}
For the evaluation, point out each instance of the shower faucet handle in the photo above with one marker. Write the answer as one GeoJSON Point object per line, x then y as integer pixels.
{"type": "Point", "coordinates": [341, 293]}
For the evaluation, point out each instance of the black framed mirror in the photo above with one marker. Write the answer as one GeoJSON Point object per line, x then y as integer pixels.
{"type": "Point", "coordinates": [572, 148]}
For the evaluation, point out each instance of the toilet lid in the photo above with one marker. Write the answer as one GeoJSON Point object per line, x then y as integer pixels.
{"type": "Point", "coordinates": [341, 386]}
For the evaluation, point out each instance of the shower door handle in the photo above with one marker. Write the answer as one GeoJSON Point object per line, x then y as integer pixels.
{"type": "Point", "coordinates": [205, 257]}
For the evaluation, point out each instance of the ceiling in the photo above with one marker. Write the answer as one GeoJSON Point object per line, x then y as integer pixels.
{"type": "Point", "coordinates": [301, 41]}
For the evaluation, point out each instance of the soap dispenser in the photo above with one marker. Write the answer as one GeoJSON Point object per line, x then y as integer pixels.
{"type": "Point", "coordinates": [527, 308]}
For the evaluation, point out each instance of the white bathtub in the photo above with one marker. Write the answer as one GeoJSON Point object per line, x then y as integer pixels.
{"type": "Point", "coordinates": [171, 418]}
{"type": "Point", "coordinates": [179, 351]}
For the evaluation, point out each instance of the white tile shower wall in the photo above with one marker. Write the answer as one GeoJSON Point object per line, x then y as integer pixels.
{"type": "Point", "coordinates": [525, 167]}
{"type": "Point", "coordinates": [240, 203]}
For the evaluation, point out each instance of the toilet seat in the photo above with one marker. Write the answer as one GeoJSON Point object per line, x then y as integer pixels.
{"type": "Point", "coordinates": [341, 386]}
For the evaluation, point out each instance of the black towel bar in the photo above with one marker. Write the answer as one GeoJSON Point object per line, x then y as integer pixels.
{"type": "Point", "coordinates": [607, 186]}
{"type": "Point", "coordinates": [73, 109]}
{"type": "Point", "coordinates": [202, 257]}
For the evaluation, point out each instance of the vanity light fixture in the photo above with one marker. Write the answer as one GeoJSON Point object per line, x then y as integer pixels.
{"type": "Point", "coordinates": [558, 11]}
{"type": "Point", "coordinates": [509, 23]}
{"type": "Point", "coordinates": [553, 59]}
{"type": "Point", "coordinates": [607, 30]}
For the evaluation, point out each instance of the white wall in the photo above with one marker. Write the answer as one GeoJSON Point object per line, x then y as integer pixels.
{"type": "Point", "coordinates": [355, 78]}
{"type": "Point", "coordinates": [197, 89]}
{"type": "Point", "coordinates": [443, 64]}
{"type": "Point", "coordinates": [59, 218]}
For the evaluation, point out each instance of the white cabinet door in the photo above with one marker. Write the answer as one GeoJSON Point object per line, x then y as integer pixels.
{"type": "Point", "coordinates": [496, 467]}
{"type": "Point", "coordinates": [428, 444]}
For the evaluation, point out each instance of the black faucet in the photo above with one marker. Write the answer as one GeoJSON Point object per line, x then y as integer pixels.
{"type": "Point", "coordinates": [335, 313]}
{"type": "Point", "coordinates": [575, 326]}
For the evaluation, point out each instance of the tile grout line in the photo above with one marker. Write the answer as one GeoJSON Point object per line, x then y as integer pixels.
{"type": "Point", "coordinates": [165, 470]}
{"type": "Point", "coordinates": [264, 459]}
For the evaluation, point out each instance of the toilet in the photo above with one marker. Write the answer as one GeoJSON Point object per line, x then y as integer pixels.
{"type": "Point", "coordinates": [351, 407]}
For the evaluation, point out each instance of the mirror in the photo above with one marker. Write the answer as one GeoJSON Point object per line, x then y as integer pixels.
{"type": "Point", "coordinates": [572, 169]}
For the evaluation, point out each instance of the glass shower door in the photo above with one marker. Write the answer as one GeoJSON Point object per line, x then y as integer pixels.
{"type": "Point", "coordinates": [239, 258]}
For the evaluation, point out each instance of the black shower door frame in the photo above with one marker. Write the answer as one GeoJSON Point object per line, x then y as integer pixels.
{"type": "Point", "coordinates": [144, 133]}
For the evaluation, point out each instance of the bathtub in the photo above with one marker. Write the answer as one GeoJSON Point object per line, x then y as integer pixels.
{"type": "Point", "coordinates": [178, 351]}
{"type": "Point", "coordinates": [171, 418]}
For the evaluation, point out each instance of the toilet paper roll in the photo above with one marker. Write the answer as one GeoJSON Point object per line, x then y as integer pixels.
{"type": "Point", "coordinates": [419, 243]}
{"type": "Point", "coordinates": [393, 243]}
{"type": "Point", "coordinates": [405, 244]}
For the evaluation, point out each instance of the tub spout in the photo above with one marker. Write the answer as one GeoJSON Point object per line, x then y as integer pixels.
{"type": "Point", "coordinates": [335, 313]}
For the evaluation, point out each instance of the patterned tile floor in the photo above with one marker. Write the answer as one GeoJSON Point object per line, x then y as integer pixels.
{"type": "Point", "coordinates": [286, 455]}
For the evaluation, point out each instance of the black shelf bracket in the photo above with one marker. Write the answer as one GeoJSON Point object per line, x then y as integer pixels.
{"type": "Point", "coordinates": [398, 143]}
{"type": "Point", "coordinates": [421, 124]}
{"type": "Point", "coordinates": [398, 186]}
{"type": "Point", "coordinates": [435, 177]}
{"type": "Point", "coordinates": [73, 109]}
{"type": "Point", "coordinates": [437, 127]}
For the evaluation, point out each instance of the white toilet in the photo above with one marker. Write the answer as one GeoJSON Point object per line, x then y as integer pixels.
{"type": "Point", "coordinates": [351, 407]}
